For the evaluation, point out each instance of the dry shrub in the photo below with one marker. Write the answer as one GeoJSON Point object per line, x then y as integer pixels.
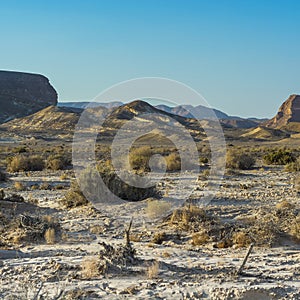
{"type": "Point", "coordinates": [190, 218]}
{"type": "Point", "coordinates": [157, 208]}
{"type": "Point", "coordinates": [19, 186]}
{"type": "Point", "coordinates": [90, 183]}
{"type": "Point", "coordinates": [239, 160]}
{"type": "Point", "coordinates": [139, 158]}
{"type": "Point", "coordinates": [136, 237]}
{"type": "Point", "coordinates": [241, 239]}
{"type": "Point", "coordinates": [293, 166]}
{"type": "Point", "coordinates": [50, 236]}
{"type": "Point", "coordinates": [32, 229]}
{"type": "Point", "coordinates": [25, 163]}
{"type": "Point", "coordinates": [166, 254]}
{"type": "Point", "coordinates": [284, 205]}
{"type": "Point", "coordinates": [90, 267]}
{"type": "Point", "coordinates": [74, 197]}
{"type": "Point", "coordinates": [200, 238]}
{"type": "Point", "coordinates": [173, 162]}
{"type": "Point", "coordinates": [295, 228]}
{"type": "Point", "coordinates": [96, 229]}
{"type": "Point", "coordinates": [63, 177]}
{"type": "Point", "coordinates": [153, 270]}
{"type": "Point", "coordinates": [58, 162]}
{"type": "Point", "coordinates": [159, 237]}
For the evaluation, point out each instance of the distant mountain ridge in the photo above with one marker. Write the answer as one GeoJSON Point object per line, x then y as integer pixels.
{"type": "Point", "coordinates": [186, 111]}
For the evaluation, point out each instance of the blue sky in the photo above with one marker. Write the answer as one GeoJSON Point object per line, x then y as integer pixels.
{"type": "Point", "coordinates": [242, 56]}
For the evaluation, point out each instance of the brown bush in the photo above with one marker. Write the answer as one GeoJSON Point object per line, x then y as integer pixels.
{"type": "Point", "coordinates": [25, 163]}
{"type": "Point", "coordinates": [200, 238]}
{"type": "Point", "coordinates": [58, 162]}
{"type": "Point", "coordinates": [74, 197]}
{"type": "Point", "coordinates": [239, 160]}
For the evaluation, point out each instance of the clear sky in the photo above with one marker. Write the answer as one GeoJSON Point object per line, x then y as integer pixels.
{"type": "Point", "coordinates": [242, 56]}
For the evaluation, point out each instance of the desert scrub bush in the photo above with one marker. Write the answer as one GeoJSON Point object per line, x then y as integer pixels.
{"type": "Point", "coordinates": [200, 238]}
{"type": "Point", "coordinates": [159, 237]}
{"type": "Point", "coordinates": [50, 236]}
{"type": "Point", "coordinates": [25, 163]}
{"type": "Point", "coordinates": [295, 228]}
{"type": "Point", "coordinates": [90, 267]}
{"type": "Point", "coordinates": [19, 186]}
{"type": "Point", "coordinates": [239, 160]}
{"type": "Point", "coordinates": [190, 218]}
{"type": "Point", "coordinates": [139, 158]}
{"type": "Point", "coordinates": [153, 270]}
{"type": "Point", "coordinates": [58, 162]}
{"type": "Point", "coordinates": [173, 162]}
{"type": "Point", "coordinates": [157, 208]}
{"type": "Point", "coordinates": [32, 229]}
{"type": "Point", "coordinates": [293, 166]}
{"type": "Point", "coordinates": [241, 239]}
{"type": "Point", "coordinates": [20, 149]}
{"type": "Point", "coordinates": [90, 183]}
{"type": "Point", "coordinates": [279, 157]}
{"type": "Point", "coordinates": [74, 197]}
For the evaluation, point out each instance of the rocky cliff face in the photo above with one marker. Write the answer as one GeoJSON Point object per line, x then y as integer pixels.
{"type": "Point", "coordinates": [22, 94]}
{"type": "Point", "coordinates": [289, 112]}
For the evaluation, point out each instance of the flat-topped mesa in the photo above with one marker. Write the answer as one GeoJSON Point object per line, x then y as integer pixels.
{"type": "Point", "coordinates": [22, 94]}
{"type": "Point", "coordinates": [289, 112]}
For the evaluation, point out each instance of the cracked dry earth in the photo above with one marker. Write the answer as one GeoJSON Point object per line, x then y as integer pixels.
{"type": "Point", "coordinates": [180, 270]}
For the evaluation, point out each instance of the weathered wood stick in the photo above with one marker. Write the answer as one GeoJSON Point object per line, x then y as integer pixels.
{"type": "Point", "coordinates": [127, 234]}
{"type": "Point", "coordinates": [240, 270]}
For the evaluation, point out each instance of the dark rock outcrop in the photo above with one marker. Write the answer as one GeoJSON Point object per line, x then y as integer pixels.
{"type": "Point", "coordinates": [22, 94]}
{"type": "Point", "coordinates": [289, 113]}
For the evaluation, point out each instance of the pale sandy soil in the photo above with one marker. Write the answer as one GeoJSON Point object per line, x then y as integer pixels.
{"type": "Point", "coordinates": [184, 271]}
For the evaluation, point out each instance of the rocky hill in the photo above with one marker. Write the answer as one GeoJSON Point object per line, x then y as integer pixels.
{"type": "Point", "coordinates": [264, 133]}
{"type": "Point", "coordinates": [288, 116]}
{"type": "Point", "coordinates": [50, 119]}
{"type": "Point", "coordinates": [22, 94]}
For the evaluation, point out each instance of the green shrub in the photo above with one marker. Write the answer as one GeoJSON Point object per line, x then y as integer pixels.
{"type": "Point", "coordinates": [25, 163]}
{"type": "Point", "coordinates": [239, 160]}
{"type": "Point", "coordinates": [279, 157]}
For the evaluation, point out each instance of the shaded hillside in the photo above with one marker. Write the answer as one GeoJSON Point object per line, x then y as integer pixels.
{"type": "Point", "coordinates": [22, 94]}
{"type": "Point", "coordinates": [50, 119]}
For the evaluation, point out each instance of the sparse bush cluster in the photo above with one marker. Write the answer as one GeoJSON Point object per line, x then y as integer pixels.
{"type": "Point", "coordinates": [74, 197]}
{"type": "Point", "coordinates": [57, 162]}
{"type": "Point", "coordinates": [263, 227]}
{"type": "Point", "coordinates": [139, 158]}
{"type": "Point", "coordinates": [239, 160]}
{"type": "Point", "coordinates": [22, 162]}
{"type": "Point", "coordinates": [293, 166]}
{"type": "Point", "coordinates": [279, 157]}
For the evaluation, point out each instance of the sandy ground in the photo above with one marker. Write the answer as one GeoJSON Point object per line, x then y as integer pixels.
{"type": "Point", "coordinates": [181, 270]}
